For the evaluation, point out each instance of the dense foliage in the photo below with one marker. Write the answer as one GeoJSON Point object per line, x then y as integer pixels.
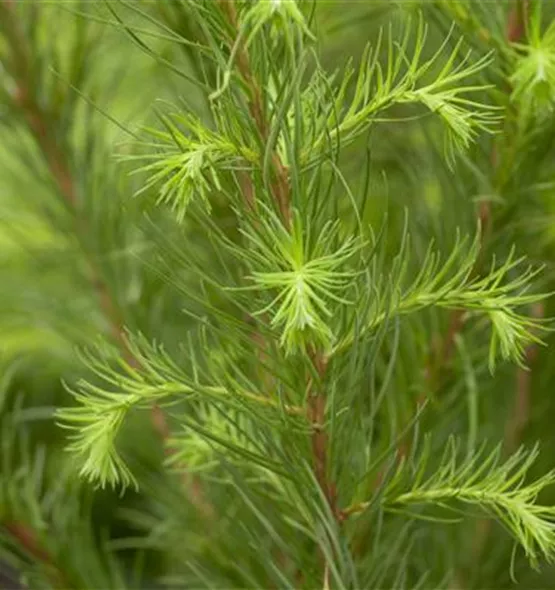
{"type": "Point", "coordinates": [274, 294]}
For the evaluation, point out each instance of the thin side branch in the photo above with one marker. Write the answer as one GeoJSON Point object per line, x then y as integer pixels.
{"type": "Point", "coordinates": [444, 352]}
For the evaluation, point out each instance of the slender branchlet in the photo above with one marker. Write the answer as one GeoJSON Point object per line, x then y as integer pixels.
{"type": "Point", "coordinates": [316, 414]}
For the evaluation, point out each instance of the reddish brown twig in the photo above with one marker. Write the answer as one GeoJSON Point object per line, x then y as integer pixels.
{"type": "Point", "coordinates": [316, 403]}
{"type": "Point", "coordinates": [27, 540]}
{"type": "Point", "coordinates": [280, 185]}
{"type": "Point", "coordinates": [516, 23]}
{"type": "Point", "coordinates": [316, 415]}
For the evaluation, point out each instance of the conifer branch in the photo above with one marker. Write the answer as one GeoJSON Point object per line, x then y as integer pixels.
{"type": "Point", "coordinates": [480, 480]}
{"type": "Point", "coordinates": [454, 286]}
{"type": "Point", "coordinates": [441, 354]}
{"type": "Point", "coordinates": [377, 89]}
{"type": "Point", "coordinates": [289, 374]}
{"type": "Point", "coordinates": [152, 378]}
{"type": "Point", "coordinates": [515, 30]}
{"type": "Point", "coordinates": [316, 401]}
{"type": "Point", "coordinates": [256, 107]}
{"type": "Point", "coordinates": [444, 351]}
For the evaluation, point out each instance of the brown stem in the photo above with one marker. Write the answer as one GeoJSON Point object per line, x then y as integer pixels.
{"type": "Point", "coordinates": [316, 402]}
{"type": "Point", "coordinates": [316, 414]}
{"type": "Point", "coordinates": [280, 184]}
{"type": "Point", "coordinates": [28, 541]}
{"type": "Point", "coordinates": [280, 187]}
{"type": "Point", "coordinates": [516, 24]}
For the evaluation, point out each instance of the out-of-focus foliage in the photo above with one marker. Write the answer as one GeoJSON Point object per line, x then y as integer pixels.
{"type": "Point", "coordinates": [274, 294]}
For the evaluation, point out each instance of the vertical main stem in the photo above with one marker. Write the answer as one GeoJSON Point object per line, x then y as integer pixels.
{"type": "Point", "coordinates": [316, 404]}
{"type": "Point", "coordinates": [316, 414]}
{"type": "Point", "coordinates": [281, 192]}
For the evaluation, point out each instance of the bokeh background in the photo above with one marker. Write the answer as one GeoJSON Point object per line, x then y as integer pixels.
{"type": "Point", "coordinates": [80, 254]}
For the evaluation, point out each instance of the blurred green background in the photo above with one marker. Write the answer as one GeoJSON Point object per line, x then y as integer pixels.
{"type": "Point", "coordinates": [97, 81]}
